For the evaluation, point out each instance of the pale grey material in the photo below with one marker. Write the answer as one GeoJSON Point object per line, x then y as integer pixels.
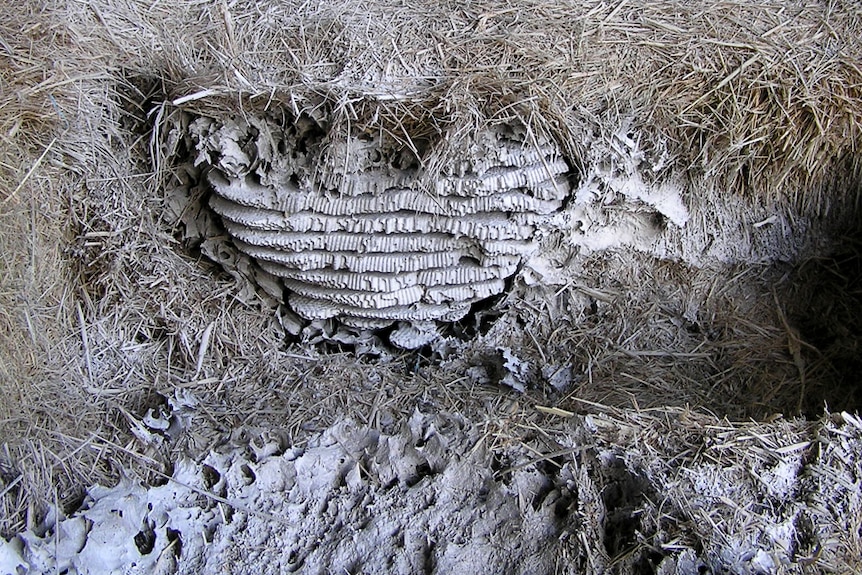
{"type": "Point", "coordinates": [361, 230]}
{"type": "Point", "coordinates": [364, 323]}
{"type": "Point", "coordinates": [374, 281]}
{"type": "Point", "coordinates": [291, 199]}
{"type": "Point", "coordinates": [501, 178]}
{"type": "Point", "coordinates": [374, 262]}
{"type": "Point", "coordinates": [484, 226]}
{"type": "Point", "coordinates": [421, 497]}
{"type": "Point", "coordinates": [413, 335]}
{"type": "Point", "coordinates": [372, 243]}
{"type": "Point", "coordinates": [376, 299]}
{"type": "Point", "coordinates": [401, 297]}
{"type": "Point", "coordinates": [310, 308]}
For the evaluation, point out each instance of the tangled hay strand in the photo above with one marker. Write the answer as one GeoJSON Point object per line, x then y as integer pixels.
{"type": "Point", "coordinates": [60, 145]}
{"type": "Point", "coordinates": [762, 96]}
{"type": "Point", "coordinates": [771, 497]}
{"type": "Point", "coordinates": [33, 282]}
{"type": "Point", "coordinates": [622, 491]}
{"type": "Point", "coordinates": [103, 317]}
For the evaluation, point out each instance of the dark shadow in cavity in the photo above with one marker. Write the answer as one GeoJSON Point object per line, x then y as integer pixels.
{"type": "Point", "coordinates": [622, 495]}
{"type": "Point", "coordinates": [823, 301]}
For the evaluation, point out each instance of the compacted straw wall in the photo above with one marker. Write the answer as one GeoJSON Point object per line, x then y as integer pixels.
{"type": "Point", "coordinates": [703, 255]}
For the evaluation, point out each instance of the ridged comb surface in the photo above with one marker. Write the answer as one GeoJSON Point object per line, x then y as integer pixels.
{"type": "Point", "coordinates": [356, 232]}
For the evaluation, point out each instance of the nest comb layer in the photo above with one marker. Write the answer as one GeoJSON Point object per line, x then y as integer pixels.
{"type": "Point", "coordinates": [357, 232]}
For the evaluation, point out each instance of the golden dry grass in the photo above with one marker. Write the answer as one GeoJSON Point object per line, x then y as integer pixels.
{"type": "Point", "coordinates": [102, 315]}
{"type": "Point", "coordinates": [758, 94]}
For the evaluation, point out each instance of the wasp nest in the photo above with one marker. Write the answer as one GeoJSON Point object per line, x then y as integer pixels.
{"type": "Point", "coordinates": [356, 231]}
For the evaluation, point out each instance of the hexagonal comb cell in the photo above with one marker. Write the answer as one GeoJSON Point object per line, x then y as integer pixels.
{"type": "Point", "coordinates": [356, 231]}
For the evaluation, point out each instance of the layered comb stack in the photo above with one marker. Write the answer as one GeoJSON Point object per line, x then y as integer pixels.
{"type": "Point", "coordinates": [360, 235]}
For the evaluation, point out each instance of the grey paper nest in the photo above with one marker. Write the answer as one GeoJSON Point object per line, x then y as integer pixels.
{"type": "Point", "coordinates": [358, 232]}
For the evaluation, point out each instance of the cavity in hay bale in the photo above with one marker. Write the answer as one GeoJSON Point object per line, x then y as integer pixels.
{"type": "Point", "coordinates": [355, 230]}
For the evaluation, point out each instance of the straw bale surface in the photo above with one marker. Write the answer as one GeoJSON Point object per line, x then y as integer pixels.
{"type": "Point", "coordinates": [705, 271]}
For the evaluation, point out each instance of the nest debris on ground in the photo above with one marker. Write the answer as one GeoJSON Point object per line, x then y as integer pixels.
{"type": "Point", "coordinates": [104, 313]}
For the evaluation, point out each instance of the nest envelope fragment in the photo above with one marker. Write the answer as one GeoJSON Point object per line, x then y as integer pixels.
{"type": "Point", "coordinates": [357, 232]}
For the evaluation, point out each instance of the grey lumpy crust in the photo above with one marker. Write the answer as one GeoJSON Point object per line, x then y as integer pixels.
{"type": "Point", "coordinates": [353, 236]}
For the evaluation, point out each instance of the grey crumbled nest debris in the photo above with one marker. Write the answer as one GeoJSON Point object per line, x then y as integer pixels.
{"type": "Point", "coordinates": [710, 264]}
{"type": "Point", "coordinates": [435, 492]}
{"type": "Point", "coordinates": [355, 230]}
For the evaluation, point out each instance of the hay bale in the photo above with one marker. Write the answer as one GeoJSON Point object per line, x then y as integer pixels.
{"type": "Point", "coordinates": [729, 132]}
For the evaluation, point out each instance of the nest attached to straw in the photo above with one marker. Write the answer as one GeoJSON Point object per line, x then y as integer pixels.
{"type": "Point", "coordinates": [106, 310]}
